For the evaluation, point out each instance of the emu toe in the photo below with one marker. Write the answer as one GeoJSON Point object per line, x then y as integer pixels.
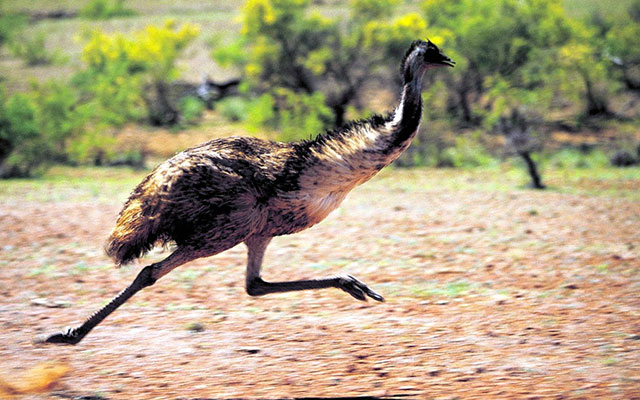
{"type": "Point", "coordinates": [358, 289]}
{"type": "Point", "coordinates": [67, 337]}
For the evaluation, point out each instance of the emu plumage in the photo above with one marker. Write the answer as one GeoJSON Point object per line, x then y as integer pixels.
{"type": "Point", "coordinates": [245, 190]}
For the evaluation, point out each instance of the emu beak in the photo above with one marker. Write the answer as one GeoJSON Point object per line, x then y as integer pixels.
{"type": "Point", "coordinates": [447, 61]}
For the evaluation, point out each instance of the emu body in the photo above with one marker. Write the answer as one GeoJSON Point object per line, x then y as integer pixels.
{"type": "Point", "coordinates": [245, 190]}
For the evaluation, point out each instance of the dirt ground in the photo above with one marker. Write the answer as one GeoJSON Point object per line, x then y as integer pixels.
{"type": "Point", "coordinates": [489, 294]}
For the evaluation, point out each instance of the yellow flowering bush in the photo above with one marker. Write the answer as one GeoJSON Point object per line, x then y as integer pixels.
{"type": "Point", "coordinates": [119, 66]}
{"type": "Point", "coordinates": [154, 49]}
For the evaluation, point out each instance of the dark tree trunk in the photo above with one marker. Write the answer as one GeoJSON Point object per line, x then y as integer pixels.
{"type": "Point", "coordinates": [596, 104]}
{"type": "Point", "coordinates": [536, 181]}
{"type": "Point", "coordinates": [338, 102]}
{"type": "Point", "coordinates": [339, 112]}
{"type": "Point", "coordinates": [163, 112]}
{"type": "Point", "coordinates": [463, 99]}
{"type": "Point", "coordinates": [629, 82]}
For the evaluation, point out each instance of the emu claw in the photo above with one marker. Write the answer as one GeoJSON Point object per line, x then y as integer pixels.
{"type": "Point", "coordinates": [357, 288]}
{"type": "Point", "coordinates": [69, 336]}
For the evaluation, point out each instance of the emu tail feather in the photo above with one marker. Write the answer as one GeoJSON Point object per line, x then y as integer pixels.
{"type": "Point", "coordinates": [133, 235]}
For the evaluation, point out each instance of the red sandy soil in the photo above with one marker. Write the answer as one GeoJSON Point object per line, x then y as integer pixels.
{"type": "Point", "coordinates": [489, 294]}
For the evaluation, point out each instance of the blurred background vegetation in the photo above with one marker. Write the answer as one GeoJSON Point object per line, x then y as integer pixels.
{"type": "Point", "coordinates": [114, 82]}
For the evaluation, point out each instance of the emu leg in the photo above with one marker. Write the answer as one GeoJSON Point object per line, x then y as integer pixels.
{"type": "Point", "coordinates": [348, 283]}
{"type": "Point", "coordinates": [255, 286]}
{"type": "Point", "coordinates": [74, 335]}
{"type": "Point", "coordinates": [147, 277]}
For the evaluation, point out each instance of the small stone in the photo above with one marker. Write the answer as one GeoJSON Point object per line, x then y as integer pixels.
{"type": "Point", "coordinates": [249, 350]}
{"type": "Point", "coordinates": [571, 286]}
{"type": "Point", "coordinates": [195, 327]}
{"type": "Point", "coordinates": [50, 303]}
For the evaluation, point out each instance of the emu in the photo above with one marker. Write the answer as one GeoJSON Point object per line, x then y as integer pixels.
{"type": "Point", "coordinates": [227, 191]}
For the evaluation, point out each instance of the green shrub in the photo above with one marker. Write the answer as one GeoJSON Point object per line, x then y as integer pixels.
{"type": "Point", "coordinates": [233, 108]}
{"type": "Point", "coordinates": [122, 69]}
{"type": "Point", "coordinates": [468, 152]}
{"type": "Point", "coordinates": [23, 149]}
{"type": "Point", "coordinates": [132, 157]}
{"type": "Point", "coordinates": [571, 158]}
{"type": "Point", "coordinates": [302, 116]}
{"type": "Point", "coordinates": [261, 112]}
{"type": "Point", "coordinates": [47, 126]}
{"type": "Point", "coordinates": [296, 116]}
{"type": "Point", "coordinates": [92, 148]}
{"type": "Point", "coordinates": [429, 144]}
{"type": "Point", "coordinates": [191, 109]}
{"type": "Point", "coordinates": [10, 25]}
{"type": "Point", "coordinates": [33, 50]}
{"type": "Point", "coordinates": [112, 95]}
{"type": "Point", "coordinates": [59, 118]}
{"type": "Point", "coordinates": [105, 9]}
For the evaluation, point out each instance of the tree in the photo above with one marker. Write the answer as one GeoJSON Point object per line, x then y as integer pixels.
{"type": "Point", "coordinates": [581, 56]}
{"type": "Point", "coordinates": [126, 71]}
{"type": "Point", "coordinates": [623, 47]}
{"type": "Point", "coordinates": [518, 130]}
{"type": "Point", "coordinates": [505, 52]}
{"type": "Point", "coordinates": [294, 51]}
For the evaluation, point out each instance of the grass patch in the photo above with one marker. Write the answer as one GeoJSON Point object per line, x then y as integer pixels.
{"type": "Point", "coordinates": [109, 185]}
{"type": "Point", "coordinates": [434, 289]}
{"type": "Point", "coordinates": [188, 277]}
{"type": "Point", "coordinates": [46, 270]}
{"type": "Point", "coordinates": [183, 307]}
{"type": "Point", "coordinates": [62, 184]}
{"type": "Point", "coordinates": [603, 181]}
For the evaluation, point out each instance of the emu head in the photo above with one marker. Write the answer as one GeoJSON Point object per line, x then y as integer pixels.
{"type": "Point", "coordinates": [422, 56]}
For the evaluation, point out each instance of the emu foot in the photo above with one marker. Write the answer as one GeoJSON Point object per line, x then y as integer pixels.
{"type": "Point", "coordinates": [69, 336]}
{"type": "Point", "coordinates": [357, 288]}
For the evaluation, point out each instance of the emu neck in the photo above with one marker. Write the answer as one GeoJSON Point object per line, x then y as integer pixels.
{"type": "Point", "coordinates": [339, 160]}
{"type": "Point", "coordinates": [408, 114]}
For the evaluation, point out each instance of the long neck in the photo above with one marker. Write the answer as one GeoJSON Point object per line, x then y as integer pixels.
{"type": "Point", "coordinates": [407, 116]}
{"type": "Point", "coordinates": [349, 156]}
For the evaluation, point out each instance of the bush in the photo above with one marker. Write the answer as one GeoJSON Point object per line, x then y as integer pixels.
{"type": "Point", "coordinates": [302, 116]}
{"type": "Point", "coordinates": [468, 152]}
{"type": "Point", "coordinates": [105, 9]}
{"type": "Point", "coordinates": [92, 148]}
{"type": "Point", "coordinates": [233, 108]}
{"type": "Point", "coordinates": [191, 109]}
{"type": "Point", "coordinates": [261, 112]}
{"type": "Point", "coordinates": [623, 158]}
{"type": "Point", "coordinates": [571, 158]}
{"type": "Point", "coordinates": [111, 95]}
{"type": "Point", "coordinates": [121, 69]}
{"type": "Point", "coordinates": [429, 144]}
{"type": "Point", "coordinates": [296, 116]}
{"type": "Point", "coordinates": [286, 44]}
{"type": "Point", "coordinates": [47, 125]}
{"type": "Point", "coordinates": [24, 150]}
{"type": "Point", "coordinates": [10, 25]}
{"type": "Point", "coordinates": [33, 50]}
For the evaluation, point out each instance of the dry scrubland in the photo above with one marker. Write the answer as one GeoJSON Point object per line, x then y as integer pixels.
{"type": "Point", "coordinates": [491, 291]}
